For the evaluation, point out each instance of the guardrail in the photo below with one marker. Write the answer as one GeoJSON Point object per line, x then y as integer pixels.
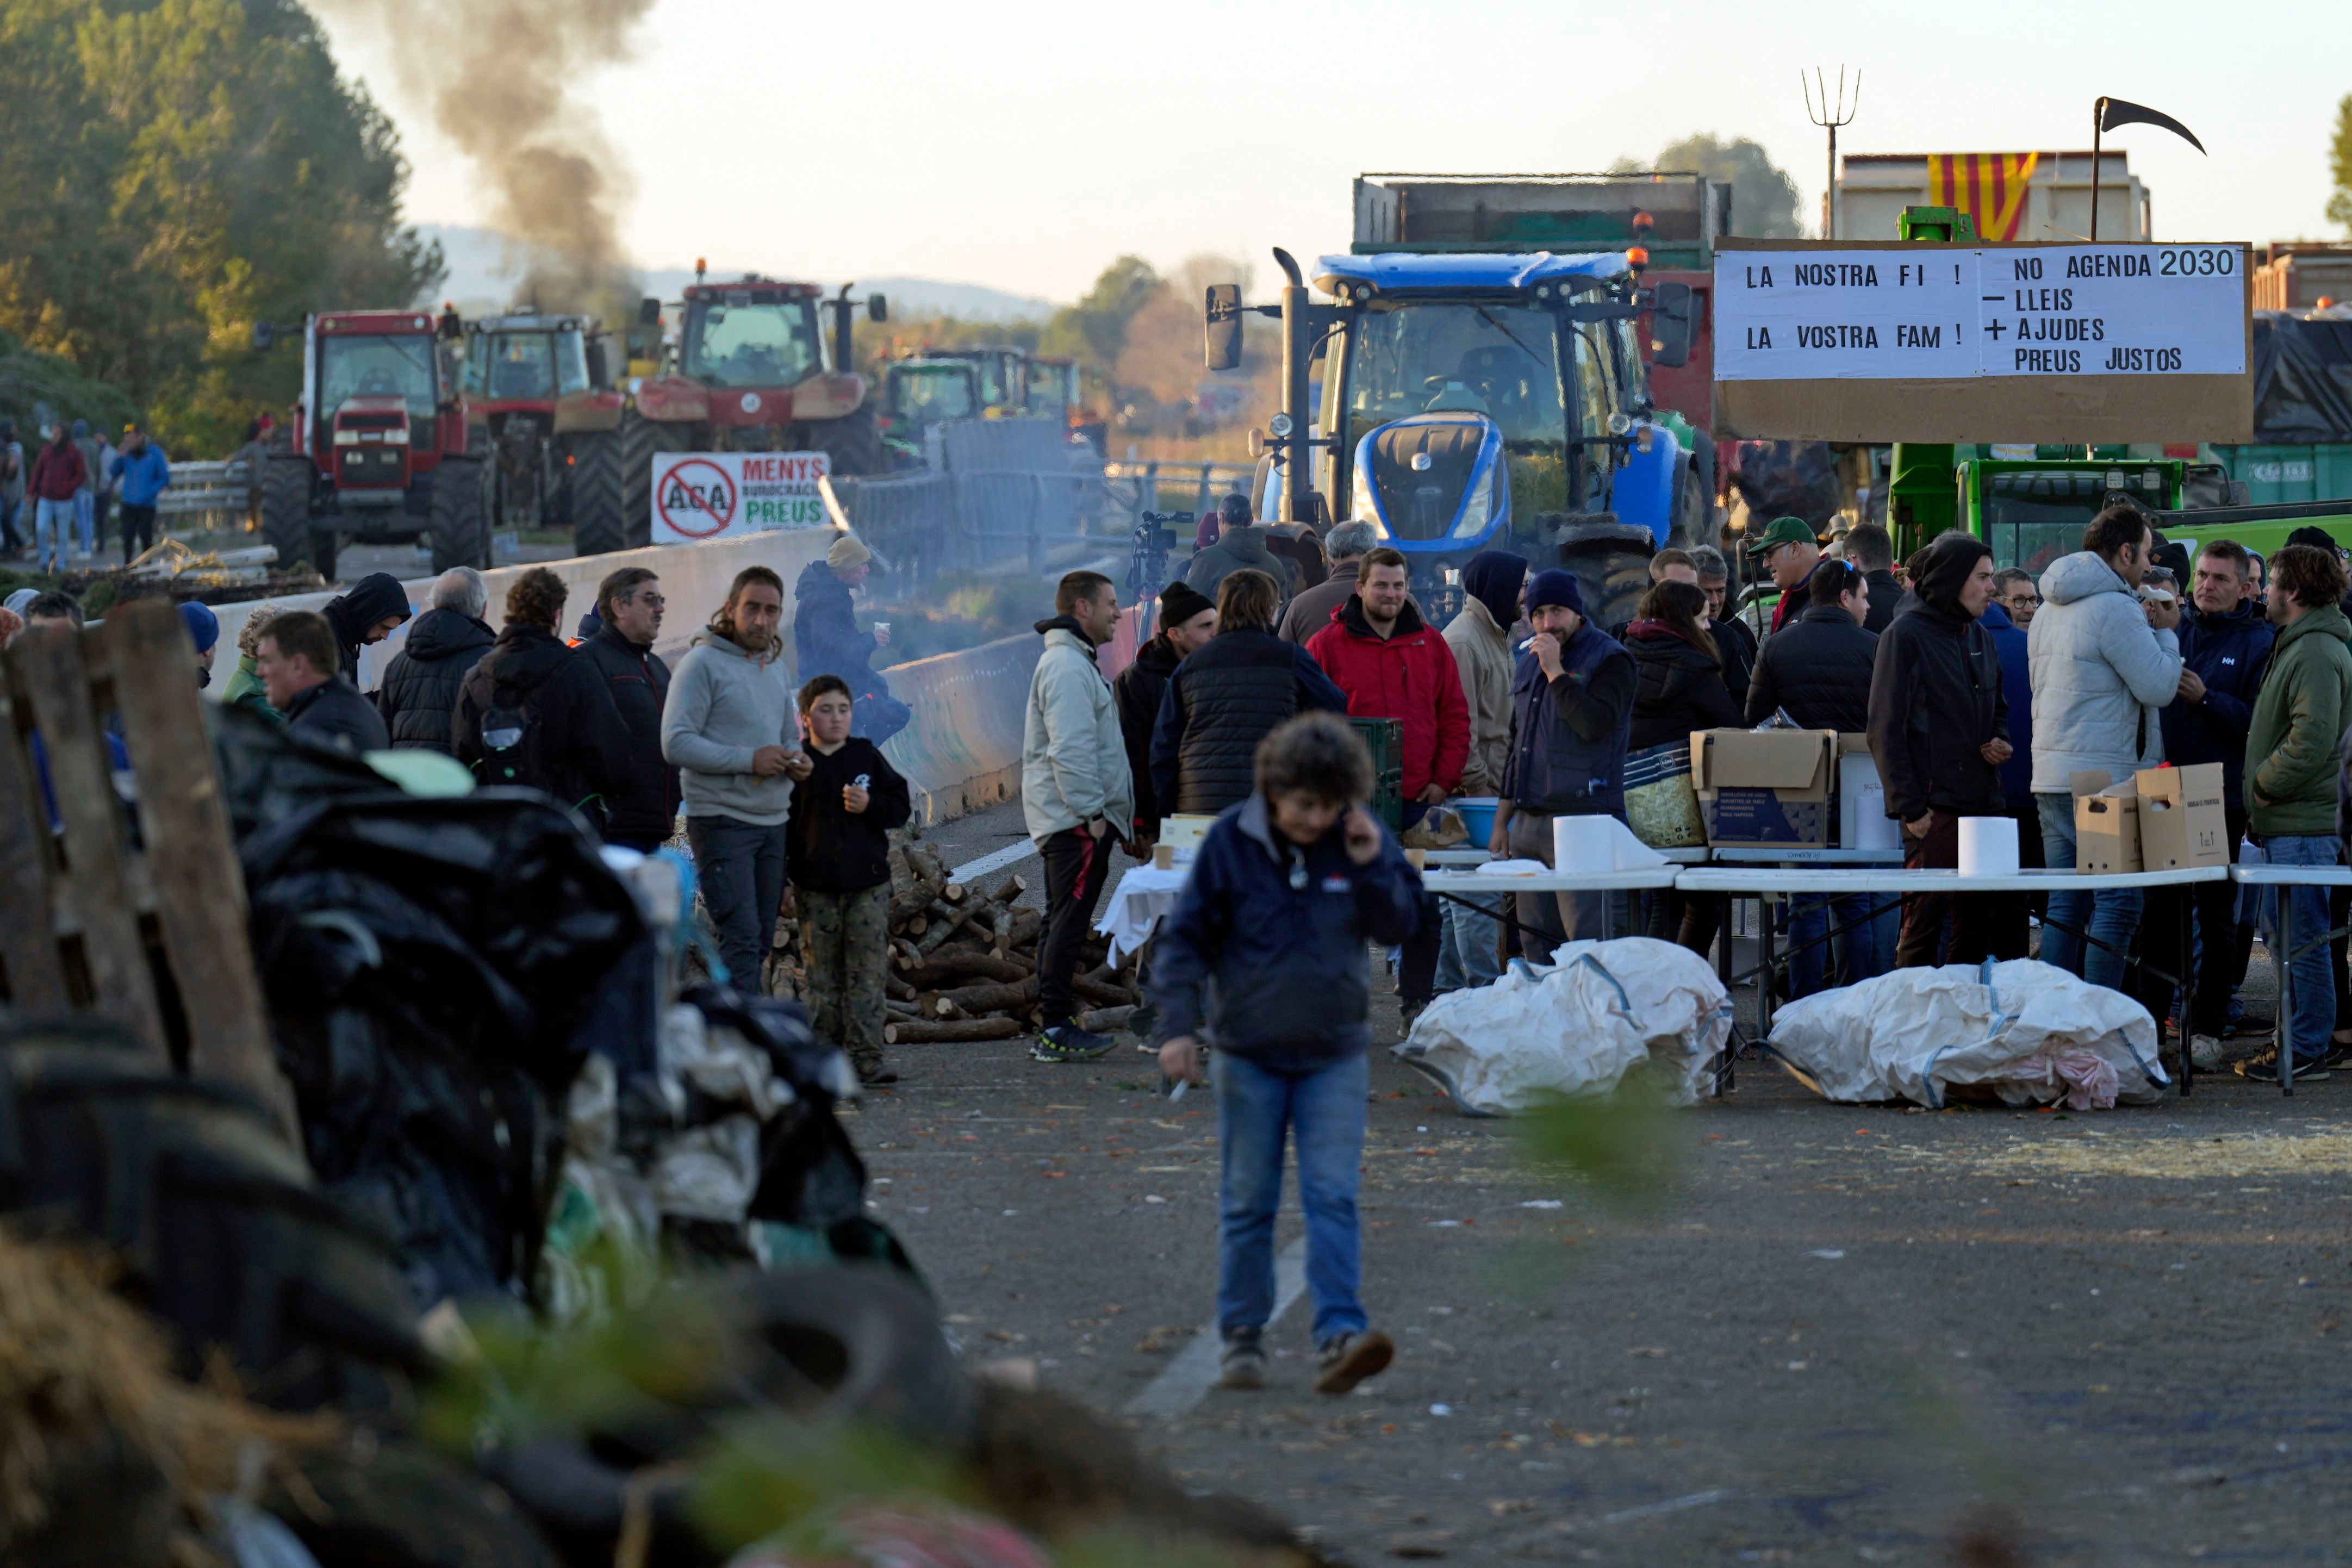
{"type": "Point", "coordinates": [209, 495]}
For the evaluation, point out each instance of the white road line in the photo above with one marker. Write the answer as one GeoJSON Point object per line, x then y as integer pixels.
{"type": "Point", "coordinates": [1185, 1381]}
{"type": "Point", "coordinates": [1011, 854]}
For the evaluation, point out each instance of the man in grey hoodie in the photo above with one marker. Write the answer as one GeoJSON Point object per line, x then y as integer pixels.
{"type": "Point", "coordinates": [2104, 669]}
{"type": "Point", "coordinates": [729, 728]}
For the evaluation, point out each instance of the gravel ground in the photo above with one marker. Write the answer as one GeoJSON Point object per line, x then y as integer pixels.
{"type": "Point", "coordinates": [1850, 1333]}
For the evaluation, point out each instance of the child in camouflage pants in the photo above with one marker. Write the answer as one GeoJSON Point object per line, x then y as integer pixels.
{"type": "Point", "coordinates": [837, 849]}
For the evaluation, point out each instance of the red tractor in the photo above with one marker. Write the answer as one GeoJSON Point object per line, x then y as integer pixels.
{"type": "Point", "coordinates": [380, 446]}
{"type": "Point", "coordinates": [539, 386]}
{"type": "Point", "coordinates": [752, 371]}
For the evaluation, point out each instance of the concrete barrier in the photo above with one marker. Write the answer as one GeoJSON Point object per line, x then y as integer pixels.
{"type": "Point", "coordinates": [694, 580]}
{"type": "Point", "coordinates": [962, 750]}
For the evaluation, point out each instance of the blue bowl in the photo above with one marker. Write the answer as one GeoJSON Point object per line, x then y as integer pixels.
{"type": "Point", "coordinates": [1479, 815]}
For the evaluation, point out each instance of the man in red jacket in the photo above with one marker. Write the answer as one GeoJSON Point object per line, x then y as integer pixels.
{"type": "Point", "coordinates": [1394, 665]}
{"type": "Point", "coordinates": [58, 474]}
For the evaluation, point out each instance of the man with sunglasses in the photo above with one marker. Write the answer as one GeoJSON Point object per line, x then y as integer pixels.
{"type": "Point", "coordinates": [642, 811]}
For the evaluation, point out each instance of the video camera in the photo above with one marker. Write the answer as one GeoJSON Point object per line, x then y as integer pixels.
{"type": "Point", "coordinates": [1147, 566]}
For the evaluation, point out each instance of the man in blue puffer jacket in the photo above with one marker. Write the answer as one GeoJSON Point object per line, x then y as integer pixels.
{"type": "Point", "coordinates": [1286, 889]}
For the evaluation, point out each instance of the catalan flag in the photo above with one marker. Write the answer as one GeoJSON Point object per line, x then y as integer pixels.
{"type": "Point", "coordinates": [1988, 186]}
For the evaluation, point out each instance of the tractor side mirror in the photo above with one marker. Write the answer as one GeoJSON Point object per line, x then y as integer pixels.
{"type": "Point", "coordinates": [600, 369]}
{"type": "Point", "coordinates": [264, 336]}
{"type": "Point", "coordinates": [650, 312]}
{"type": "Point", "coordinates": [877, 308]}
{"type": "Point", "coordinates": [1224, 343]}
{"type": "Point", "coordinates": [1671, 322]}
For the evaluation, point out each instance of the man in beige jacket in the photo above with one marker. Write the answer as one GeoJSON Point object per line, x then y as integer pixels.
{"type": "Point", "coordinates": [1480, 636]}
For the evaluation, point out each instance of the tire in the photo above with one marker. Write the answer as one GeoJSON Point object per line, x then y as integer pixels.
{"type": "Point", "coordinates": [852, 443]}
{"type": "Point", "coordinates": [461, 514]}
{"type": "Point", "coordinates": [641, 439]}
{"type": "Point", "coordinates": [599, 511]}
{"type": "Point", "coordinates": [1611, 563]}
{"type": "Point", "coordinates": [285, 483]}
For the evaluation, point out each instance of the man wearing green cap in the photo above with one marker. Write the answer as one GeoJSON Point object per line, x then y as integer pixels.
{"type": "Point", "coordinates": [1789, 552]}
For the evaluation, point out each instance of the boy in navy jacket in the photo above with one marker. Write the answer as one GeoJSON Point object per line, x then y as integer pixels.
{"type": "Point", "coordinates": [1287, 890]}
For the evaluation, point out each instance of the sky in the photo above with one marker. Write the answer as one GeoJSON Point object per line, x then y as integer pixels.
{"type": "Point", "coordinates": [1026, 143]}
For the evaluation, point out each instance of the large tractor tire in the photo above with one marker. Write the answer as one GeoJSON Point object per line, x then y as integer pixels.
{"type": "Point", "coordinates": [461, 514]}
{"type": "Point", "coordinates": [286, 483]}
{"type": "Point", "coordinates": [641, 439]}
{"type": "Point", "coordinates": [852, 443]}
{"type": "Point", "coordinates": [1611, 563]}
{"type": "Point", "coordinates": [599, 504]}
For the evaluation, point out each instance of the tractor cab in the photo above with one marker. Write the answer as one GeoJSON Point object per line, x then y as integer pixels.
{"type": "Point", "coordinates": [539, 386]}
{"type": "Point", "coordinates": [753, 357]}
{"type": "Point", "coordinates": [924, 391]}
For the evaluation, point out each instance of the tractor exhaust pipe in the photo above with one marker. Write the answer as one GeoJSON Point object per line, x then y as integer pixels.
{"type": "Point", "coordinates": [1297, 399]}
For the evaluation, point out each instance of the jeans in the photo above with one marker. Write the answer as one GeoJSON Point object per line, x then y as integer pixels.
{"type": "Point", "coordinates": [2111, 915]}
{"type": "Point", "coordinates": [1558, 917]}
{"type": "Point", "coordinates": [85, 506]}
{"type": "Point", "coordinates": [2311, 991]}
{"type": "Point", "coordinates": [1077, 864]}
{"type": "Point", "coordinates": [51, 519]}
{"type": "Point", "coordinates": [741, 866]}
{"type": "Point", "coordinates": [1466, 952]}
{"type": "Point", "coordinates": [1855, 948]}
{"type": "Point", "coordinates": [138, 531]}
{"type": "Point", "coordinates": [1323, 1111]}
{"type": "Point", "coordinates": [1426, 948]}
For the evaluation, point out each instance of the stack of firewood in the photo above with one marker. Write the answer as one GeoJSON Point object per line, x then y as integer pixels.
{"type": "Point", "coordinates": [964, 958]}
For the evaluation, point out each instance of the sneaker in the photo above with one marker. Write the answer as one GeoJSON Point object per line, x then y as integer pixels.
{"type": "Point", "coordinates": [2338, 1060]}
{"type": "Point", "coordinates": [1069, 1043]}
{"type": "Point", "coordinates": [875, 1070]}
{"type": "Point", "coordinates": [1347, 1360]}
{"type": "Point", "coordinates": [2264, 1068]}
{"type": "Point", "coordinates": [2250, 1026]}
{"type": "Point", "coordinates": [1242, 1365]}
{"type": "Point", "coordinates": [2204, 1052]}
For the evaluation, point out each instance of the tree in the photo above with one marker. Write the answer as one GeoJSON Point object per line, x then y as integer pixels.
{"type": "Point", "coordinates": [1094, 330]}
{"type": "Point", "coordinates": [1763, 197]}
{"type": "Point", "coordinates": [2339, 165]}
{"type": "Point", "coordinates": [179, 169]}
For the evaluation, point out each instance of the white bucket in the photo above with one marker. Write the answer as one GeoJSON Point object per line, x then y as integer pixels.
{"type": "Point", "coordinates": [1989, 846]}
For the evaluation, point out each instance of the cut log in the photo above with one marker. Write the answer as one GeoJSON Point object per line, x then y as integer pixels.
{"type": "Point", "coordinates": [1026, 926]}
{"type": "Point", "coordinates": [1094, 991]}
{"type": "Point", "coordinates": [897, 990]}
{"type": "Point", "coordinates": [904, 956]}
{"type": "Point", "coordinates": [993, 998]}
{"type": "Point", "coordinates": [953, 892]}
{"type": "Point", "coordinates": [956, 964]}
{"type": "Point", "coordinates": [1009, 890]}
{"type": "Point", "coordinates": [950, 1029]}
{"type": "Point", "coordinates": [1106, 1020]}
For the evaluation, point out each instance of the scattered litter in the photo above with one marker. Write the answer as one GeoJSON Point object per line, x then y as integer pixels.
{"type": "Point", "coordinates": [1576, 1026]}
{"type": "Point", "coordinates": [1541, 1204]}
{"type": "Point", "coordinates": [1440, 1410]}
{"type": "Point", "coordinates": [2031, 1032]}
{"type": "Point", "coordinates": [1832, 1253]}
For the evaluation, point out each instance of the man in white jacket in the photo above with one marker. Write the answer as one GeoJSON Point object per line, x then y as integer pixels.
{"type": "Point", "coordinates": [2104, 667]}
{"type": "Point", "coordinates": [1076, 795]}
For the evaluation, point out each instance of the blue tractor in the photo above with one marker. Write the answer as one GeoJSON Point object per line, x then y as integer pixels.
{"type": "Point", "coordinates": [1480, 400]}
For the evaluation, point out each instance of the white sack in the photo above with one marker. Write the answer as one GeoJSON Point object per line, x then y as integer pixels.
{"type": "Point", "coordinates": [2032, 1032]}
{"type": "Point", "coordinates": [1575, 1026]}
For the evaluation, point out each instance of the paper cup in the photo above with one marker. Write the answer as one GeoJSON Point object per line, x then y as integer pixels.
{"type": "Point", "coordinates": [1988, 846]}
{"type": "Point", "coordinates": [1583, 845]}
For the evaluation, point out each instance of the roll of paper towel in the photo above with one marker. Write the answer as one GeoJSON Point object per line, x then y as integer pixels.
{"type": "Point", "coordinates": [1583, 844]}
{"type": "Point", "coordinates": [1988, 846]}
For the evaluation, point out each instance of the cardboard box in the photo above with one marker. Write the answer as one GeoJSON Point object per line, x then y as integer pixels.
{"type": "Point", "coordinates": [1862, 822]}
{"type": "Point", "coordinates": [2107, 823]}
{"type": "Point", "coordinates": [2180, 819]}
{"type": "Point", "coordinates": [1764, 786]}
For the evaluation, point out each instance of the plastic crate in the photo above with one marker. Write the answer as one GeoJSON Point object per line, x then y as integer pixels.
{"type": "Point", "coordinates": [1384, 737]}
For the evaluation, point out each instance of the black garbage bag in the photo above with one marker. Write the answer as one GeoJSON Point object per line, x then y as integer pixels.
{"type": "Point", "coordinates": [431, 966]}
{"type": "Point", "coordinates": [1788, 479]}
{"type": "Point", "coordinates": [2303, 377]}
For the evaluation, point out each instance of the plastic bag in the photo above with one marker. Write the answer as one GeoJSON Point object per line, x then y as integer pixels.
{"type": "Point", "coordinates": [1576, 1026]}
{"type": "Point", "coordinates": [2029, 1031]}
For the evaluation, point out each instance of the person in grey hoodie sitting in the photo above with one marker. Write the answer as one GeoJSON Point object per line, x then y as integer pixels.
{"type": "Point", "coordinates": [1240, 544]}
{"type": "Point", "coordinates": [2103, 669]}
{"type": "Point", "coordinates": [729, 728]}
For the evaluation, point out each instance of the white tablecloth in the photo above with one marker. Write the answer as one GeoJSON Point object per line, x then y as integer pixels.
{"type": "Point", "coordinates": [1134, 909]}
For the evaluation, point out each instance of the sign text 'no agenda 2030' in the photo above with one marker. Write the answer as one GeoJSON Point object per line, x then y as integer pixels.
{"type": "Point", "coordinates": [1902, 313]}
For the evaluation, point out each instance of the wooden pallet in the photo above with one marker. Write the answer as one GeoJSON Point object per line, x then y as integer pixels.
{"type": "Point", "coordinates": [146, 930]}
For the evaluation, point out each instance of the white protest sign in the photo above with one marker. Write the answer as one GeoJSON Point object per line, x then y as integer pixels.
{"type": "Point", "coordinates": [1947, 312]}
{"type": "Point", "coordinates": [724, 495]}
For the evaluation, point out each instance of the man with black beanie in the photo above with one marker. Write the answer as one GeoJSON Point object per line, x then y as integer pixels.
{"type": "Point", "coordinates": [1939, 732]}
{"type": "Point", "coordinates": [1188, 619]}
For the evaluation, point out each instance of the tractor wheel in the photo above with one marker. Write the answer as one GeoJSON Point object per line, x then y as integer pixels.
{"type": "Point", "coordinates": [641, 439]}
{"type": "Point", "coordinates": [461, 514]}
{"type": "Point", "coordinates": [852, 443]}
{"type": "Point", "coordinates": [599, 511]}
{"type": "Point", "coordinates": [1611, 563]}
{"type": "Point", "coordinates": [286, 508]}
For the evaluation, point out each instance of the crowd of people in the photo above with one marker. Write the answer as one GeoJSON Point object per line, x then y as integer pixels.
{"type": "Point", "coordinates": [56, 501]}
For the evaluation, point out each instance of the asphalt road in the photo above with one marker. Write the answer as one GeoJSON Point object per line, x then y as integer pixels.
{"type": "Point", "coordinates": [1850, 1334]}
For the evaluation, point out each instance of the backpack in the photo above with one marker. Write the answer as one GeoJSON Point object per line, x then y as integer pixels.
{"type": "Point", "coordinates": [513, 737]}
